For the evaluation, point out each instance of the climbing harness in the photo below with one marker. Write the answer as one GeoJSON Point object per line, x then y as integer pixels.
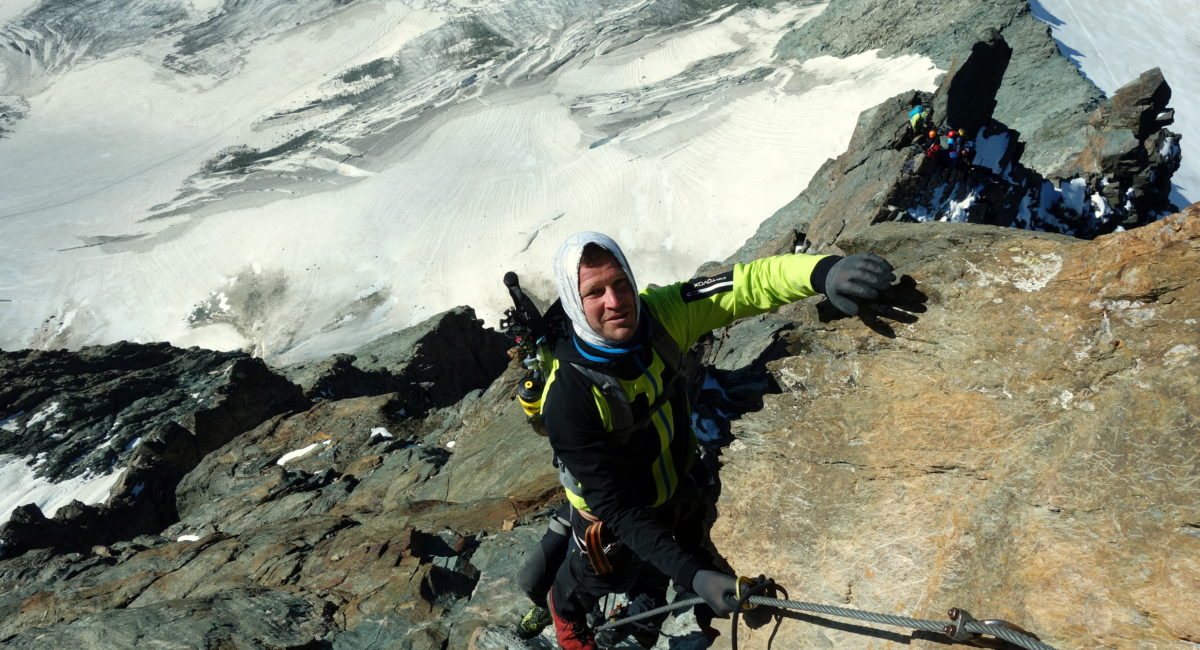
{"type": "Point", "coordinates": [599, 554]}
{"type": "Point", "coordinates": [962, 626]}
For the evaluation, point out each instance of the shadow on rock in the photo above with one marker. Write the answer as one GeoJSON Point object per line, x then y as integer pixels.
{"type": "Point", "coordinates": [902, 304]}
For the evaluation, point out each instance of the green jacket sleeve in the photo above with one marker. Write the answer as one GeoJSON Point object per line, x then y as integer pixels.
{"type": "Point", "coordinates": [691, 309]}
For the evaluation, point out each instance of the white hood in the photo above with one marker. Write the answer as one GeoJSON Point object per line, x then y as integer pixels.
{"type": "Point", "coordinates": [566, 278]}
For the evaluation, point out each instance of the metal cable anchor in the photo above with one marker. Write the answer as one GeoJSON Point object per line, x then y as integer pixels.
{"type": "Point", "coordinates": [956, 629]}
{"type": "Point", "coordinates": [962, 617]}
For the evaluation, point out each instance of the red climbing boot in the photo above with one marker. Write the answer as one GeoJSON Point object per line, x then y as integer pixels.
{"type": "Point", "coordinates": [572, 635]}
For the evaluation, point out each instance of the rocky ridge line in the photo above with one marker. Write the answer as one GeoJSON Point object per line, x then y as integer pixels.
{"type": "Point", "coordinates": [154, 412]}
{"type": "Point", "coordinates": [1120, 178]}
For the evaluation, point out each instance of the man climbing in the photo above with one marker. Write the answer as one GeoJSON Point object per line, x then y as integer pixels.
{"type": "Point", "coordinates": [922, 140]}
{"type": "Point", "coordinates": [638, 520]}
{"type": "Point", "coordinates": [934, 150]}
{"type": "Point", "coordinates": [920, 119]}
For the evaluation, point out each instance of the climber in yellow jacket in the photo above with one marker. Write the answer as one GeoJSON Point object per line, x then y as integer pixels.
{"type": "Point", "coordinates": [637, 514]}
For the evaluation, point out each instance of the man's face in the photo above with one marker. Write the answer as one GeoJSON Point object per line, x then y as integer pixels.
{"type": "Point", "coordinates": [608, 300]}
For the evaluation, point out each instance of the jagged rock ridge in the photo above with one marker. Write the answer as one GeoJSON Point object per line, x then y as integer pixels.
{"type": "Point", "coordinates": [145, 414]}
{"type": "Point", "coordinates": [149, 414]}
{"type": "Point", "coordinates": [1120, 179]}
{"type": "Point", "coordinates": [1043, 96]}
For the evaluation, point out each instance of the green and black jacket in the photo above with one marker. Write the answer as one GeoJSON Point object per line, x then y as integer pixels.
{"type": "Point", "coordinates": [622, 478]}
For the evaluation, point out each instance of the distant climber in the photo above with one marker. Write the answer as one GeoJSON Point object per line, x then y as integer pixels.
{"type": "Point", "coordinates": [921, 141]}
{"type": "Point", "coordinates": [958, 151]}
{"type": "Point", "coordinates": [920, 119]}
{"type": "Point", "coordinates": [950, 155]}
{"type": "Point", "coordinates": [637, 519]}
{"type": "Point", "coordinates": [934, 150]}
{"type": "Point", "coordinates": [966, 151]}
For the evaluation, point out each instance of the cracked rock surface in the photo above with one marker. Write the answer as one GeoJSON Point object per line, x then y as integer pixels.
{"type": "Point", "coordinates": [1025, 450]}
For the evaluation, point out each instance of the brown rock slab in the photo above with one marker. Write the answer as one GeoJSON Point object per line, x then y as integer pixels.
{"type": "Point", "coordinates": [1026, 450]}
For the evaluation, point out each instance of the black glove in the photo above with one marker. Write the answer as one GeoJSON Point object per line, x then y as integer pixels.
{"type": "Point", "coordinates": [859, 277]}
{"type": "Point", "coordinates": [718, 590]}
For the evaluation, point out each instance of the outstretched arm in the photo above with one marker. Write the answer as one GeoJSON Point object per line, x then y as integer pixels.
{"type": "Point", "coordinates": [691, 309]}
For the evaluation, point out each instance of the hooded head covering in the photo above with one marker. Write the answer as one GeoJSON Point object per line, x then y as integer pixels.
{"type": "Point", "coordinates": [566, 278]}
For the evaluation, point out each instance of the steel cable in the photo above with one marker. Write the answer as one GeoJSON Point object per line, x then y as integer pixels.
{"type": "Point", "coordinates": [974, 627]}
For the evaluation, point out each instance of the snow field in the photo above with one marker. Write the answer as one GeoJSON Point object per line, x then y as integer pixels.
{"type": "Point", "coordinates": [487, 186]}
{"type": "Point", "coordinates": [1115, 41]}
{"type": "Point", "coordinates": [19, 486]}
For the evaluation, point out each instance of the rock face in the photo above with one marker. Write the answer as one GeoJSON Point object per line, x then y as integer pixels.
{"type": "Point", "coordinates": [119, 392]}
{"type": "Point", "coordinates": [1025, 450]}
{"type": "Point", "coordinates": [1043, 96]}
{"type": "Point", "coordinates": [149, 414]}
{"type": "Point", "coordinates": [146, 412]}
{"type": "Point", "coordinates": [1126, 140]}
{"type": "Point", "coordinates": [348, 523]}
{"type": "Point", "coordinates": [967, 97]}
{"type": "Point", "coordinates": [1121, 178]}
{"type": "Point", "coordinates": [281, 620]}
{"type": "Point", "coordinates": [414, 362]}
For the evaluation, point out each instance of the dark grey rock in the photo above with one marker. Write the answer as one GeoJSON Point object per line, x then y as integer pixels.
{"type": "Point", "coordinates": [242, 484]}
{"type": "Point", "coordinates": [495, 451]}
{"type": "Point", "coordinates": [1130, 156]}
{"type": "Point", "coordinates": [387, 631]}
{"type": "Point", "coordinates": [1043, 96]}
{"type": "Point", "coordinates": [153, 410]}
{"type": "Point", "coordinates": [1120, 179]}
{"type": "Point", "coordinates": [498, 559]}
{"type": "Point", "coordinates": [430, 365]}
{"type": "Point", "coordinates": [967, 98]}
{"type": "Point", "coordinates": [89, 408]}
{"type": "Point", "coordinates": [237, 619]}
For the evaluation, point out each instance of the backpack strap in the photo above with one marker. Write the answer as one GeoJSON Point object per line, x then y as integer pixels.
{"type": "Point", "coordinates": [618, 402]}
{"type": "Point", "coordinates": [614, 394]}
{"type": "Point", "coordinates": [619, 408]}
{"type": "Point", "coordinates": [666, 347]}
